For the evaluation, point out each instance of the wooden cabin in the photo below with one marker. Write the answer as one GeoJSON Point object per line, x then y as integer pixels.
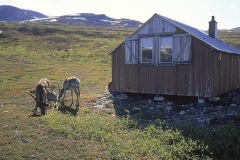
{"type": "Point", "coordinates": [167, 57]}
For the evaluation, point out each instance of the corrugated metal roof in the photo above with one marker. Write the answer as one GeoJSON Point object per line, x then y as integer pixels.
{"type": "Point", "coordinates": [214, 42]}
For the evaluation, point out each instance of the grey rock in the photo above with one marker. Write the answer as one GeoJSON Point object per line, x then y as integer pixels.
{"type": "Point", "coordinates": [219, 107]}
{"type": "Point", "coordinates": [149, 101]}
{"type": "Point", "coordinates": [137, 109]}
{"type": "Point", "coordinates": [168, 108]}
{"type": "Point", "coordinates": [201, 100]}
{"type": "Point", "coordinates": [159, 106]}
{"type": "Point", "coordinates": [122, 97]}
{"type": "Point", "coordinates": [159, 98]}
{"type": "Point", "coordinates": [215, 99]}
{"type": "Point", "coordinates": [182, 112]}
{"type": "Point", "coordinates": [191, 105]}
{"type": "Point", "coordinates": [233, 105]}
{"type": "Point", "coordinates": [33, 156]}
{"type": "Point", "coordinates": [5, 126]}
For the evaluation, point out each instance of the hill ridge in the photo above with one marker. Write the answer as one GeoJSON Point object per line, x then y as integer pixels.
{"type": "Point", "coordinates": [13, 14]}
{"type": "Point", "coordinates": [88, 19]}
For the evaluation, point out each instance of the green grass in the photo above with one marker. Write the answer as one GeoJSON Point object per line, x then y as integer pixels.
{"type": "Point", "coordinates": [61, 43]}
{"type": "Point", "coordinates": [230, 38]}
{"type": "Point", "coordinates": [123, 138]}
{"type": "Point", "coordinates": [30, 52]}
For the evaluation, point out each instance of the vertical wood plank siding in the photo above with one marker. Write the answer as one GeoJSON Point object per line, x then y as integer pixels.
{"type": "Point", "coordinates": [209, 74]}
{"type": "Point", "coordinates": [154, 26]}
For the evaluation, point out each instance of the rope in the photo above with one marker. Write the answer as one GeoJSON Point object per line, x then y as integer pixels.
{"type": "Point", "coordinates": [43, 128]}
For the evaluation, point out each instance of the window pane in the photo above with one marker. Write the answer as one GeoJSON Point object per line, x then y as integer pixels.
{"type": "Point", "coordinates": [166, 44]}
{"type": "Point", "coordinates": [130, 53]}
{"type": "Point", "coordinates": [147, 49]}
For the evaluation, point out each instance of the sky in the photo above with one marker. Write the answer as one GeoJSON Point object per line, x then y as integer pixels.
{"type": "Point", "coordinates": [196, 13]}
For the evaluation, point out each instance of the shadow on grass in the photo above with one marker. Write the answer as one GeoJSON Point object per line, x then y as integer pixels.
{"type": "Point", "coordinates": [223, 140]}
{"type": "Point", "coordinates": [68, 109]}
{"type": "Point", "coordinates": [35, 115]}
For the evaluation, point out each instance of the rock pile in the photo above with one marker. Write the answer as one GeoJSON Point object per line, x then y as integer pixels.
{"type": "Point", "coordinates": [171, 109]}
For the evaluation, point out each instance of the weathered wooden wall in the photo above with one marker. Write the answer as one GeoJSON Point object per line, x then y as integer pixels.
{"type": "Point", "coordinates": [154, 25]}
{"type": "Point", "coordinates": [226, 69]}
{"type": "Point", "coordinates": [209, 74]}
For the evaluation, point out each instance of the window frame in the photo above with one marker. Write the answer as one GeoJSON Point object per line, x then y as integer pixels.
{"type": "Point", "coordinates": [181, 47]}
{"type": "Point", "coordinates": [140, 50]}
{"type": "Point", "coordinates": [159, 49]}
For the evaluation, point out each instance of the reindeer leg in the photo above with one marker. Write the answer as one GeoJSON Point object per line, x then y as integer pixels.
{"type": "Point", "coordinates": [55, 106]}
{"type": "Point", "coordinates": [35, 109]}
{"type": "Point", "coordinates": [64, 93]}
{"type": "Point", "coordinates": [72, 95]}
{"type": "Point", "coordinates": [78, 94]}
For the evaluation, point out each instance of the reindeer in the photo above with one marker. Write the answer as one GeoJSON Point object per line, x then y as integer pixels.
{"type": "Point", "coordinates": [43, 96]}
{"type": "Point", "coordinates": [73, 84]}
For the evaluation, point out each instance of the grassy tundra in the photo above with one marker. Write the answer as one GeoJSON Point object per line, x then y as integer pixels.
{"type": "Point", "coordinates": [31, 52]}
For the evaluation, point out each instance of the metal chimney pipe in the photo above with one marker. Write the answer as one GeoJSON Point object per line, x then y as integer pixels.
{"type": "Point", "coordinates": [212, 28]}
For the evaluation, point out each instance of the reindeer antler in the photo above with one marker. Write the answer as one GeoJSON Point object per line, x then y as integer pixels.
{"type": "Point", "coordinates": [31, 95]}
{"type": "Point", "coordinates": [57, 84]}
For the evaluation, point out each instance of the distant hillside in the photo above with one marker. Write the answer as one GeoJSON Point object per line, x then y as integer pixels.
{"type": "Point", "coordinates": [14, 14]}
{"type": "Point", "coordinates": [89, 19]}
{"type": "Point", "coordinates": [235, 30]}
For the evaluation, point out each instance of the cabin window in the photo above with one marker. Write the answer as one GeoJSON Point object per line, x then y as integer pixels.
{"type": "Point", "coordinates": [166, 49]}
{"type": "Point", "coordinates": [159, 50]}
{"type": "Point", "coordinates": [146, 50]}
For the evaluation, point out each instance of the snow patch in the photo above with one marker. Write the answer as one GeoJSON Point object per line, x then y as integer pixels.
{"type": "Point", "coordinates": [52, 20]}
{"type": "Point", "coordinates": [80, 18]}
{"type": "Point", "coordinates": [124, 25]}
{"type": "Point", "coordinates": [108, 21]}
{"type": "Point", "coordinates": [38, 19]}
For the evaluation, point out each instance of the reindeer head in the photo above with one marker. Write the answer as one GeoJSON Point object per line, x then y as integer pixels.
{"type": "Point", "coordinates": [61, 90]}
{"type": "Point", "coordinates": [52, 96]}
{"type": "Point", "coordinates": [42, 105]}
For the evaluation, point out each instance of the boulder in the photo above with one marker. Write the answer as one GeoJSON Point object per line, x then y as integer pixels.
{"type": "Point", "coordinates": [168, 108]}
{"type": "Point", "coordinates": [182, 112]}
{"type": "Point", "coordinates": [159, 98]}
{"type": "Point", "coordinates": [122, 97]}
